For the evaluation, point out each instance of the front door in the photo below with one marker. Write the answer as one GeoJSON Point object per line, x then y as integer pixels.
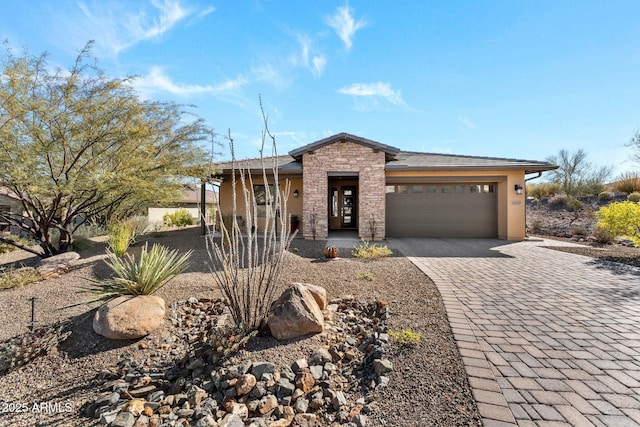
{"type": "Point", "coordinates": [348, 209]}
{"type": "Point", "coordinates": [343, 202]}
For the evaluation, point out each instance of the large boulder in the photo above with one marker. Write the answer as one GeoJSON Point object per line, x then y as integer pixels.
{"type": "Point", "coordinates": [295, 313]}
{"type": "Point", "coordinates": [319, 294]}
{"type": "Point", "coordinates": [129, 317]}
{"type": "Point", "coordinates": [56, 265]}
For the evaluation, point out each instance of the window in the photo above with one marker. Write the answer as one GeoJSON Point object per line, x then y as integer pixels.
{"type": "Point", "coordinates": [474, 189]}
{"type": "Point", "coordinates": [403, 189]}
{"type": "Point", "coordinates": [430, 189]}
{"type": "Point", "coordinates": [390, 189]}
{"type": "Point", "coordinates": [417, 189]}
{"type": "Point", "coordinates": [445, 189]}
{"type": "Point", "coordinates": [260, 193]}
{"type": "Point", "coordinates": [334, 201]}
{"type": "Point", "coordinates": [487, 188]}
{"type": "Point", "coordinates": [459, 189]}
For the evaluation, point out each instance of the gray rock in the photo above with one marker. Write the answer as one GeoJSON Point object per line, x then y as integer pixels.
{"type": "Point", "coordinates": [206, 421]}
{"type": "Point", "coordinates": [231, 420]}
{"type": "Point", "coordinates": [316, 371]}
{"type": "Point", "coordinates": [360, 420]}
{"type": "Point", "coordinates": [123, 419]}
{"type": "Point", "coordinates": [299, 365]}
{"type": "Point", "coordinates": [301, 405]}
{"type": "Point", "coordinates": [320, 356]}
{"type": "Point", "coordinates": [260, 368]}
{"type": "Point", "coordinates": [339, 400]}
{"type": "Point", "coordinates": [56, 265]}
{"type": "Point", "coordinates": [382, 366]}
{"type": "Point", "coordinates": [285, 387]}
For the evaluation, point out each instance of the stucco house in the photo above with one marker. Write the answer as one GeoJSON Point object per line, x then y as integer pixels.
{"type": "Point", "coordinates": [345, 182]}
{"type": "Point", "coordinates": [190, 200]}
{"type": "Point", "coordinates": [9, 204]}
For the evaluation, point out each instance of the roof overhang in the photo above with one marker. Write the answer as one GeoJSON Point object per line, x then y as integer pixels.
{"type": "Point", "coordinates": [389, 151]}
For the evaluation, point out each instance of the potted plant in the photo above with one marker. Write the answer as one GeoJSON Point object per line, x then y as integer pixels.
{"type": "Point", "coordinates": [295, 222]}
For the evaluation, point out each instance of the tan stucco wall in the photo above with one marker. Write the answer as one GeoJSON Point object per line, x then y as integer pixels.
{"type": "Point", "coordinates": [294, 205]}
{"type": "Point", "coordinates": [511, 206]}
{"type": "Point", "coordinates": [338, 158]}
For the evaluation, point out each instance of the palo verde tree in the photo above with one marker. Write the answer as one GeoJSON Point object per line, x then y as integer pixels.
{"type": "Point", "coordinates": [76, 144]}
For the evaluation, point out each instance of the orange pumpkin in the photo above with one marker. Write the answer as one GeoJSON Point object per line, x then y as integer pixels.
{"type": "Point", "coordinates": [331, 252]}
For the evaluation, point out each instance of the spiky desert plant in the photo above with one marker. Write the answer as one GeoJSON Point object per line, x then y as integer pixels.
{"type": "Point", "coordinates": [147, 275]}
{"type": "Point", "coordinates": [252, 260]}
{"type": "Point", "coordinates": [121, 236]}
{"type": "Point", "coordinates": [22, 349]}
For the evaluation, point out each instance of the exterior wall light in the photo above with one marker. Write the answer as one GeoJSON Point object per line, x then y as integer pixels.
{"type": "Point", "coordinates": [295, 193]}
{"type": "Point", "coordinates": [518, 188]}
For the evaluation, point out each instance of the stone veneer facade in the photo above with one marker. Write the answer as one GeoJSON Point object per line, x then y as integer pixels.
{"type": "Point", "coordinates": [344, 158]}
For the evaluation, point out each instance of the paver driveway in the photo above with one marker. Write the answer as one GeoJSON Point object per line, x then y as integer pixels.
{"type": "Point", "coordinates": [547, 338]}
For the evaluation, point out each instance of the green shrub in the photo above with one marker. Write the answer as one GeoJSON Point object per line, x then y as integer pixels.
{"type": "Point", "coordinates": [634, 197]}
{"type": "Point", "coordinates": [536, 226]}
{"type": "Point", "coordinates": [228, 340]}
{"type": "Point", "coordinates": [120, 237]}
{"type": "Point", "coordinates": [366, 276]}
{"type": "Point", "coordinates": [180, 218]}
{"type": "Point", "coordinates": [20, 350]}
{"type": "Point", "coordinates": [543, 189]}
{"type": "Point", "coordinates": [628, 182]}
{"type": "Point", "coordinates": [406, 337]}
{"type": "Point", "coordinates": [578, 231]}
{"type": "Point", "coordinates": [371, 251]}
{"type": "Point", "coordinates": [621, 219]}
{"type": "Point", "coordinates": [574, 205]}
{"type": "Point", "coordinates": [7, 247]}
{"type": "Point", "coordinates": [151, 272]}
{"type": "Point", "coordinates": [18, 277]}
{"type": "Point", "coordinates": [605, 196]}
{"type": "Point", "coordinates": [558, 202]}
{"type": "Point", "coordinates": [602, 236]}
{"type": "Point", "coordinates": [139, 226]}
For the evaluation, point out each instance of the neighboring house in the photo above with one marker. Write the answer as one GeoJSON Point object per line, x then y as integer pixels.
{"type": "Point", "coordinates": [9, 205]}
{"type": "Point", "coordinates": [191, 201]}
{"type": "Point", "coordinates": [346, 182]}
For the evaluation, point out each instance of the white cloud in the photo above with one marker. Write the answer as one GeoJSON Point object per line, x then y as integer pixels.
{"type": "Point", "coordinates": [307, 57]}
{"type": "Point", "coordinates": [468, 123]}
{"type": "Point", "coordinates": [344, 25]}
{"type": "Point", "coordinates": [374, 91]}
{"type": "Point", "coordinates": [267, 72]}
{"type": "Point", "coordinates": [117, 26]}
{"type": "Point", "coordinates": [158, 81]}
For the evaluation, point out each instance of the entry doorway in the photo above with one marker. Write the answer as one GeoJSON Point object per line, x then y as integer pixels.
{"type": "Point", "coordinates": [343, 204]}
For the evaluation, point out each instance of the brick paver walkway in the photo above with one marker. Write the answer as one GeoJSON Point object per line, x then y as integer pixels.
{"type": "Point", "coordinates": [547, 338]}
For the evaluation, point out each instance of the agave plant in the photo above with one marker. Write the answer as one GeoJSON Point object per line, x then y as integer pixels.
{"type": "Point", "coordinates": [154, 268]}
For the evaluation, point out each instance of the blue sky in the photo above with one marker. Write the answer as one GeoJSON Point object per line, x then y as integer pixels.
{"type": "Point", "coordinates": [518, 79]}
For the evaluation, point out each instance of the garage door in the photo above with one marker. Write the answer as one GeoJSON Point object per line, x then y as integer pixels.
{"type": "Point", "coordinates": [442, 210]}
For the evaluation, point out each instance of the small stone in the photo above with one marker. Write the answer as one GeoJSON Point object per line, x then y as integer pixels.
{"type": "Point", "coordinates": [268, 404]}
{"type": "Point", "coordinates": [299, 365]}
{"type": "Point", "coordinates": [206, 421]}
{"type": "Point", "coordinates": [382, 366]}
{"type": "Point", "coordinates": [339, 400]}
{"type": "Point", "coordinates": [306, 420]}
{"type": "Point", "coordinates": [330, 367]}
{"type": "Point", "coordinates": [245, 384]}
{"type": "Point", "coordinates": [305, 382]}
{"type": "Point", "coordinates": [260, 368]}
{"type": "Point", "coordinates": [285, 387]}
{"type": "Point", "coordinates": [359, 420]}
{"type": "Point", "coordinates": [297, 394]}
{"type": "Point", "coordinates": [241, 410]}
{"type": "Point", "coordinates": [142, 391]}
{"type": "Point", "coordinates": [195, 395]}
{"type": "Point", "coordinates": [316, 371]}
{"type": "Point", "coordinates": [231, 420]}
{"type": "Point", "coordinates": [123, 419]}
{"type": "Point", "coordinates": [156, 396]}
{"type": "Point", "coordinates": [301, 405]}
{"type": "Point", "coordinates": [185, 413]}
{"type": "Point", "coordinates": [320, 356]}
{"type": "Point", "coordinates": [135, 406]}
{"type": "Point", "coordinates": [288, 373]}
{"type": "Point", "coordinates": [142, 421]}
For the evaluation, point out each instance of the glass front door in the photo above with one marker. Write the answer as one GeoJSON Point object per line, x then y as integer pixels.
{"type": "Point", "coordinates": [348, 209]}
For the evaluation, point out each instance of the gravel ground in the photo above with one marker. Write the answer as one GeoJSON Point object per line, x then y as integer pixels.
{"type": "Point", "coordinates": [428, 386]}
